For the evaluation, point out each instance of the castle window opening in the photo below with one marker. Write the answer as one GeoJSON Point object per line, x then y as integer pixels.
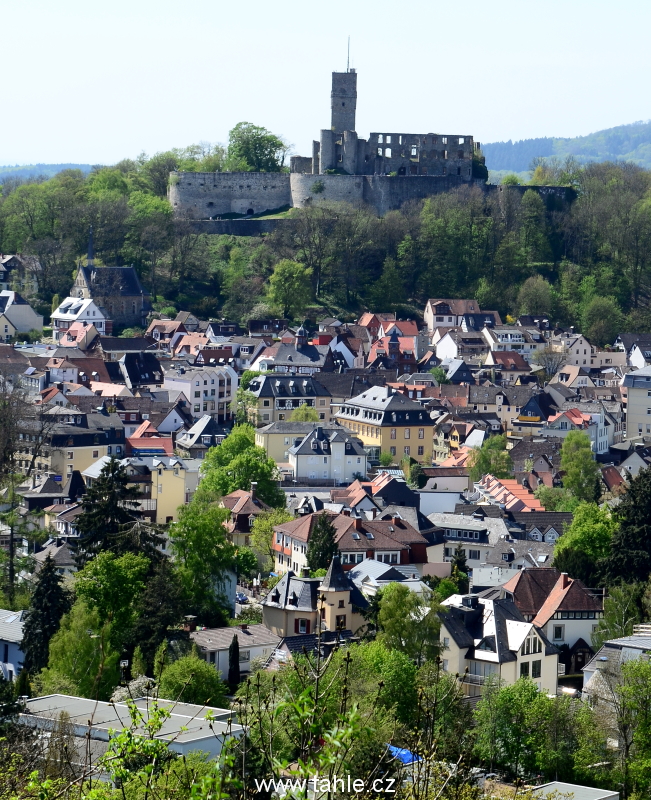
{"type": "Point", "coordinates": [379, 151]}
{"type": "Point", "coordinates": [399, 139]}
{"type": "Point", "coordinates": [387, 152]}
{"type": "Point", "coordinates": [460, 154]}
{"type": "Point", "coordinates": [444, 140]}
{"type": "Point", "coordinates": [388, 140]}
{"type": "Point", "coordinates": [414, 151]}
{"type": "Point", "coordinates": [380, 138]}
{"type": "Point", "coordinates": [445, 154]}
{"type": "Point", "coordinates": [249, 211]}
{"type": "Point", "coordinates": [461, 140]}
{"type": "Point", "coordinates": [458, 170]}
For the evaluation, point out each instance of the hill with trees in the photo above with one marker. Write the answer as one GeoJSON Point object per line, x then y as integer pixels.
{"type": "Point", "coordinates": [623, 143]}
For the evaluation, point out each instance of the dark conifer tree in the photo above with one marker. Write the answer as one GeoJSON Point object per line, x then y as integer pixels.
{"type": "Point", "coordinates": [322, 546]}
{"type": "Point", "coordinates": [50, 601]}
{"type": "Point", "coordinates": [630, 556]}
{"type": "Point", "coordinates": [234, 663]}
{"type": "Point", "coordinates": [108, 518]}
{"type": "Point", "coordinates": [160, 607]}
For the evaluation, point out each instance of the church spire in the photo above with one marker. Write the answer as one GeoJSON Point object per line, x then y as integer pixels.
{"type": "Point", "coordinates": [91, 252]}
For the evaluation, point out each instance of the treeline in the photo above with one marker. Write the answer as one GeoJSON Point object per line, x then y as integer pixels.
{"type": "Point", "coordinates": [586, 263]}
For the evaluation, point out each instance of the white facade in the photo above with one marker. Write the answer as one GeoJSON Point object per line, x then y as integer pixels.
{"type": "Point", "coordinates": [210, 390]}
{"type": "Point", "coordinates": [72, 309]}
{"type": "Point", "coordinates": [20, 314]}
{"type": "Point", "coordinates": [517, 339]}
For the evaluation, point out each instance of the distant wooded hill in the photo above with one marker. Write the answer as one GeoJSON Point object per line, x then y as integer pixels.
{"type": "Point", "coordinates": [34, 170]}
{"type": "Point", "coordinates": [623, 143]}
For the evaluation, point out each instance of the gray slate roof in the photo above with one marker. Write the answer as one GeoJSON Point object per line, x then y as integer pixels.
{"type": "Point", "coordinates": [212, 639]}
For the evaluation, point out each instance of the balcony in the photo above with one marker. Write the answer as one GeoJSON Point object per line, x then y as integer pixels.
{"type": "Point", "coordinates": [476, 680]}
{"type": "Point", "coordinates": [146, 505]}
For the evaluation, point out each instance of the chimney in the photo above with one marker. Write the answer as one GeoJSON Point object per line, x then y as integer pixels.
{"type": "Point", "coordinates": [254, 489]}
{"type": "Point", "coordinates": [190, 623]}
{"type": "Point", "coordinates": [357, 521]}
{"type": "Point", "coordinates": [346, 512]}
{"type": "Point", "coordinates": [565, 580]}
{"type": "Point", "coordinates": [305, 572]}
{"type": "Point", "coordinates": [244, 627]}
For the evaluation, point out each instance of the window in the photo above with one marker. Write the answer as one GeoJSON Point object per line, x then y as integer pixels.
{"type": "Point", "coordinates": [536, 669]}
{"type": "Point", "coordinates": [407, 450]}
{"type": "Point", "coordinates": [392, 450]}
{"type": "Point", "coordinates": [475, 555]}
{"type": "Point", "coordinates": [393, 433]}
{"type": "Point", "coordinates": [524, 669]}
{"type": "Point", "coordinates": [303, 625]}
{"type": "Point", "coordinates": [118, 449]}
{"type": "Point", "coordinates": [407, 433]}
{"type": "Point", "coordinates": [340, 622]}
{"type": "Point", "coordinates": [532, 644]}
{"type": "Point", "coordinates": [421, 433]}
{"type": "Point", "coordinates": [95, 453]}
{"type": "Point", "coordinates": [341, 604]}
{"type": "Point", "coordinates": [71, 454]}
{"type": "Point", "coordinates": [559, 633]}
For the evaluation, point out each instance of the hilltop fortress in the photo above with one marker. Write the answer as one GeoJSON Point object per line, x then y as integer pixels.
{"type": "Point", "coordinates": [384, 171]}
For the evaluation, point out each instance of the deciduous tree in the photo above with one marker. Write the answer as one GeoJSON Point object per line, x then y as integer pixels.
{"type": "Point", "coordinates": [580, 470]}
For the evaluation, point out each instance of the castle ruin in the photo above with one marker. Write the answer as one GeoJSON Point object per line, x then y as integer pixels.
{"type": "Point", "coordinates": [384, 171]}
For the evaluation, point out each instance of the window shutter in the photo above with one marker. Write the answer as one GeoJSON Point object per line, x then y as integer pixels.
{"type": "Point", "coordinates": [295, 626]}
{"type": "Point", "coordinates": [307, 624]}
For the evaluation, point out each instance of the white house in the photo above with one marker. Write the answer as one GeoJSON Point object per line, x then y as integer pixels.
{"type": "Point", "coordinates": [491, 637]}
{"type": "Point", "coordinates": [11, 637]}
{"type": "Point", "coordinates": [521, 340]}
{"type": "Point", "coordinates": [74, 309]}
{"type": "Point", "coordinates": [210, 389]}
{"type": "Point", "coordinates": [255, 641]}
{"type": "Point", "coordinates": [328, 454]}
{"type": "Point", "coordinates": [16, 313]}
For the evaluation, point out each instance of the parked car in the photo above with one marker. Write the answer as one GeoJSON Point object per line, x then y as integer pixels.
{"type": "Point", "coordinates": [241, 598]}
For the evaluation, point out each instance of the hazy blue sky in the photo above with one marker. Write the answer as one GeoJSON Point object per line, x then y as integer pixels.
{"type": "Point", "coordinates": [91, 81]}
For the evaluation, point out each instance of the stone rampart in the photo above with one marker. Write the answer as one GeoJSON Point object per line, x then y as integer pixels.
{"type": "Point", "coordinates": [202, 195]}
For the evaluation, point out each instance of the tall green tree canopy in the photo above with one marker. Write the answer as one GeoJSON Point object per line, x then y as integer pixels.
{"type": "Point", "coordinates": [491, 458]}
{"type": "Point", "coordinates": [581, 471]}
{"type": "Point", "coordinates": [190, 679]}
{"type": "Point", "coordinates": [235, 464]}
{"type": "Point", "coordinates": [290, 287]}
{"type": "Point", "coordinates": [409, 623]}
{"type": "Point", "coordinates": [253, 148]}
{"type": "Point", "coordinates": [204, 557]}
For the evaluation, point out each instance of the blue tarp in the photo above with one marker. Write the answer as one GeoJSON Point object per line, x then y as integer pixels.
{"type": "Point", "coordinates": [406, 756]}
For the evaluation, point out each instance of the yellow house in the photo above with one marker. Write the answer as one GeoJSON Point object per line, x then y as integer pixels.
{"type": "Point", "coordinates": [65, 440]}
{"type": "Point", "coordinates": [296, 605]}
{"type": "Point", "coordinates": [165, 483]}
{"type": "Point", "coordinates": [387, 421]}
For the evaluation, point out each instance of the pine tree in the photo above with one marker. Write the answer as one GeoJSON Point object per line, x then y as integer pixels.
{"type": "Point", "coordinates": [23, 684]}
{"type": "Point", "coordinates": [630, 554]}
{"type": "Point", "coordinates": [234, 663]}
{"type": "Point", "coordinates": [322, 546]}
{"type": "Point", "coordinates": [107, 516]}
{"type": "Point", "coordinates": [50, 601]}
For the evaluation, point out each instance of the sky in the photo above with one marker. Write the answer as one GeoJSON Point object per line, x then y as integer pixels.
{"type": "Point", "coordinates": [86, 81]}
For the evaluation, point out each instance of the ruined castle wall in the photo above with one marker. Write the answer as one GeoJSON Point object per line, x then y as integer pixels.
{"type": "Point", "coordinates": [201, 195]}
{"type": "Point", "coordinates": [386, 193]}
{"type": "Point", "coordinates": [312, 189]}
